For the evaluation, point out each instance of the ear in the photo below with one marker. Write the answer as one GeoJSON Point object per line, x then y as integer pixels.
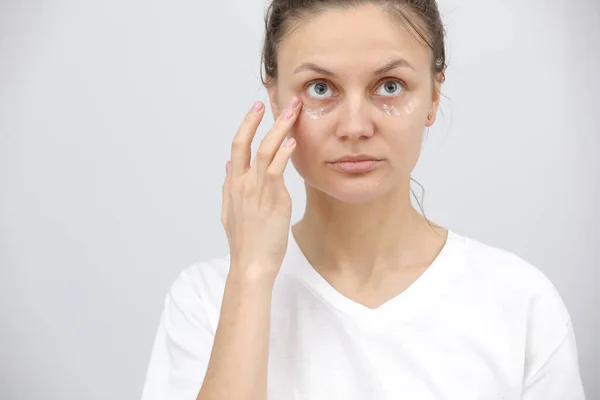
{"type": "Point", "coordinates": [271, 85]}
{"type": "Point", "coordinates": [432, 114]}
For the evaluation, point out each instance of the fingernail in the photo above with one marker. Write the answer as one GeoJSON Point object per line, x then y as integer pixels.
{"type": "Point", "coordinates": [288, 114]}
{"type": "Point", "coordinates": [257, 106]}
{"type": "Point", "coordinates": [227, 166]}
{"type": "Point", "coordinates": [290, 142]}
{"type": "Point", "coordinates": [294, 102]}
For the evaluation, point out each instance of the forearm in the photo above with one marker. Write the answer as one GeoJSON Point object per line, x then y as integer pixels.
{"type": "Point", "coordinates": [238, 364]}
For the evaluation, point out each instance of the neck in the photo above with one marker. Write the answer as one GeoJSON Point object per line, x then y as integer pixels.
{"type": "Point", "coordinates": [361, 239]}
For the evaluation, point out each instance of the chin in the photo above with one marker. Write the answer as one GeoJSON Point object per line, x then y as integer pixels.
{"type": "Point", "coordinates": [351, 189]}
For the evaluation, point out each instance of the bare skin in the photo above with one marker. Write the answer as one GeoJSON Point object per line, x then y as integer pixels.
{"type": "Point", "coordinates": [373, 287]}
{"type": "Point", "coordinates": [361, 233]}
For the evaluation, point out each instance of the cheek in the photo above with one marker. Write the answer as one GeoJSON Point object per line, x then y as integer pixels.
{"type": "Point", "coordinates": [404, 114]}
{"type": "Point", "coordinates": [402, 132]}
{"type": "Point", "coordinates": [310, 135]}
{"type": "Point", "coordinates": [401, 122]}
{"type": "Point", "coordinates": [309, 131]}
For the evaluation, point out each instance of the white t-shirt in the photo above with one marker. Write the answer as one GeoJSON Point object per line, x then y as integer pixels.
{"type": "Point", "coordinates": [480, 323]}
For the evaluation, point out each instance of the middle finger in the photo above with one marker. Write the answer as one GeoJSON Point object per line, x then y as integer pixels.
{"type": "Point", "coordinates": [272, 141]}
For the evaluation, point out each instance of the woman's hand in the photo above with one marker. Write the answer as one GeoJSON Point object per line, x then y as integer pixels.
{"type": "Point", "coordinates": [257, 207]}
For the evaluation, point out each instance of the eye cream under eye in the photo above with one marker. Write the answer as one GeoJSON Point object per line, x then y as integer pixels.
{"type": "Point", "coordinates": [391, 111]}
{"type": "Point", "coordinates": [317, 113]}
{"type": "Point", "coordinates": [394, 111]}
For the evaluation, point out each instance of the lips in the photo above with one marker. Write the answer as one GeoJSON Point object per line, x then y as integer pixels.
{"type": "Point", "coordinates": [355, 164]}
{"type": "Point", "coordinates": [356, 158]}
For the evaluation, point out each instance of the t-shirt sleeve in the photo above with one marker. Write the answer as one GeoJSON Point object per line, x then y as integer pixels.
{"type": "Point", "coordinates": [558, 377]}
{"type": "Point", "coordinates": [182, 346]}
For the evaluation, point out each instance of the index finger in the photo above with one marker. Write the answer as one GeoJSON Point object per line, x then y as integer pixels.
{"type": "Point", "coordinates": [240, 147]}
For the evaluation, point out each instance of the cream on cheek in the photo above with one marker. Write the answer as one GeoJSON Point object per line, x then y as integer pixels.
{"type": "Point", "coordinates": [317, 112]}
{"type": "Point", "coordinates": [390, 108]}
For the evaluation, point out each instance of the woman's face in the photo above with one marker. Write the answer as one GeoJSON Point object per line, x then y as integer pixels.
{"type": "Point", "coordinates": [366, 88]}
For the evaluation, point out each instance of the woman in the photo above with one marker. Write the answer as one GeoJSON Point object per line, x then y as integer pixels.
{"type": "Point", "coordinates": [363, 298]}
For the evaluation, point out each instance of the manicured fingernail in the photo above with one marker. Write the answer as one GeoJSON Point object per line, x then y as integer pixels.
{"type": "Point", "coordinates": [227, 165]}
{"type": "Point", "coordinates": [257, 106]}
{"type": "Point", "coordinates": [294, 102]}
{"type": "Point", "coordinates": [288, 114]}
{"type": "Point", "coordinates": [290, 142]}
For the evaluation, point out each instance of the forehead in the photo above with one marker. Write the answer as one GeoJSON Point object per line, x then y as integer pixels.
{"type": "Point", "coordinates": [352, 38]}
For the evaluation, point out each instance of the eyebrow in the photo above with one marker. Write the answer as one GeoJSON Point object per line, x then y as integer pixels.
{"type": "Point", "coordinates": [387, 67]}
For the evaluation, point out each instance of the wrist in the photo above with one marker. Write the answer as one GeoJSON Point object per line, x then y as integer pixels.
{"type": "Point", "coordinates": [255, 276]}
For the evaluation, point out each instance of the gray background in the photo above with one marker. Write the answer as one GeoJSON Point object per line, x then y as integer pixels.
{"type": "Point", "coordinates": [115, 123]}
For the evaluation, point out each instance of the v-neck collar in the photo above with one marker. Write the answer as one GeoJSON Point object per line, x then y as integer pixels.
{"type": "Point", "coordinates": [449, 264]}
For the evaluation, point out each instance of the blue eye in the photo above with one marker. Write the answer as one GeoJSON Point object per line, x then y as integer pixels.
{"type": "Point", "coordinates": [390, 88]}
{"type": "Point", "coordinates": [320, 90]}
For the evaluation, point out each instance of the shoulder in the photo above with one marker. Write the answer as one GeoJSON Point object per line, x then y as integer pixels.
{"type": "Point", "coordinates": [516, 280]}
{"type": "Point", "coordinates": [201, 286]}
{"type": "Point", "coordinates": [533, 306]}
{"type": "Point", "coordinates": [208, 273]}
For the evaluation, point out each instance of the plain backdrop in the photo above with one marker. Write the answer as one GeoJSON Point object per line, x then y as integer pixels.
{"type": "Point", "coordinates": [116, 118]}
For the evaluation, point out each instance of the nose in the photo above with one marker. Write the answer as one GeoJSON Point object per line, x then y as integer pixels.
{"type": "Point", "coordinates": [355, 120]}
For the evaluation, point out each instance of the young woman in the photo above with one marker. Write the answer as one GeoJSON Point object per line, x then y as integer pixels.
{"type": "Point", "coordinates": [363, 298]}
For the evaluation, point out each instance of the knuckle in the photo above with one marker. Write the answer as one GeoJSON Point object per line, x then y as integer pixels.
{"type": "Point", "coordinates": [263, 155]}
{"type": "Point", "coordinates": [284, 201]}
{"type": "Point", "coordinates": [240, 191]}
{"type": "Point", "coordinates": [248, 122]}
{"type": "Point", "coordinates": [237, 144]}
{"type": "Point", "coordinates": [247, 187]}
{"type": "Point", "coordinates": [234, 187]}
{"type": "Point", "coordinates": [273, 175]}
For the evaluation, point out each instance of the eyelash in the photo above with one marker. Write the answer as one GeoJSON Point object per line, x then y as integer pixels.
{"type": "Point", "coordinates": [379, 83]}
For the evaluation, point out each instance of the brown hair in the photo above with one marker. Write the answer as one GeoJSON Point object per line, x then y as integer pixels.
{"type": "Point", "coordinates": [422, 17]}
